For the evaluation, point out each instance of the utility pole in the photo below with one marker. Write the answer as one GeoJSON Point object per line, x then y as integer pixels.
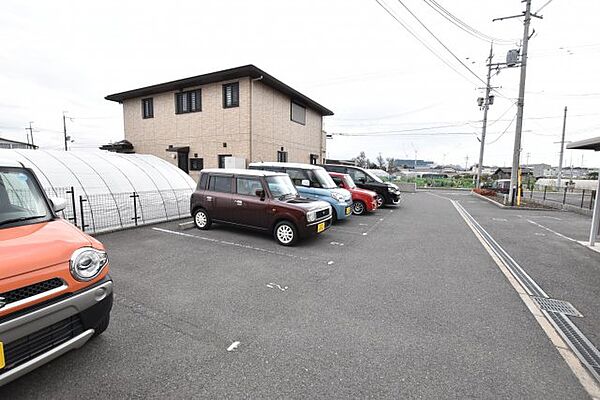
{"type": "Point", "coordinates": [486, 106]}
{"type": "Point", "coordinates": [65, 130]}
{"type": "Point", "coordinates": [466, 162]}
{"type": "Point", "coordinates": [520, 101]}
{"type": "Point", "coordinates": [30, 129]}
{"type": "Point", "coordinates": [562, 150]}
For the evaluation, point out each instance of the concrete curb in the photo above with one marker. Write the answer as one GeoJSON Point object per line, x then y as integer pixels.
{"type": "Point", "coordinates": [499, 205]}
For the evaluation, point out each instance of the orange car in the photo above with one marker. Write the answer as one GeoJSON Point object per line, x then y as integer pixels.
{"type": "Point", "coordinates": [55, 291]}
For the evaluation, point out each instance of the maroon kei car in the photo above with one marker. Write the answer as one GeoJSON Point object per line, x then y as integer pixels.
{"type": "Point", "coordinates": [261, 200]}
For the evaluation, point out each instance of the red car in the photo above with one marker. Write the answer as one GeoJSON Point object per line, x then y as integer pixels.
{"type": "Point", "coordinates": [362, 200]}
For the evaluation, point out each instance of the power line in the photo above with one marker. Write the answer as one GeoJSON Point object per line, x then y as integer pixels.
{"type": "Point", "coordinates": [422, 42]}
{"type": "Point", "coordinates": [503, 132]}
{"type": "Point", "coordinates": [415, 129]}
{"type": "Point", "coordinates": [392, 133]}
{"type": "Point", "coordinates": [544, 6]}
{"type": "Point", "coordinates": [463, 25]}
{"type": "Point", "coordinates": [446, 47]}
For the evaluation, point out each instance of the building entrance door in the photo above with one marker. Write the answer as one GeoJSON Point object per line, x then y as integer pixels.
{"type": "Point", "coordinates": [183, 160]}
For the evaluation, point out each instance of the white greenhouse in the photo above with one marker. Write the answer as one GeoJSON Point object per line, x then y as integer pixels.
{"type": "Point", "coordinates": [108, 191]}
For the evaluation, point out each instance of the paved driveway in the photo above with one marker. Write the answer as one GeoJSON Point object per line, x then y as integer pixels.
{"type": "Point", "coordinates": [402, 303]}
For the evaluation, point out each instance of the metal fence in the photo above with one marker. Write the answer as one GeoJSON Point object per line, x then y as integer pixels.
{"type": "Point", "coordinates": [582, 198]}
{"type": "Point", "coordinates": [105, 212]}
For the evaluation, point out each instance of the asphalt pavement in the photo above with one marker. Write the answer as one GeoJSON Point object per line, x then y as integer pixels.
{"type": "Point", "coordinates": [401, 303]}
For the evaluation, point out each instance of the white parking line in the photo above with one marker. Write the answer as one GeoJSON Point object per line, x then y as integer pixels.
{"type": "Point", "coordinates": [373, 226]}
{"type": "Point", "coordinates": [273, 285]}
{"type": "Point", "coordinates": [233, 346]}
{"type": "Point", "coordinates": [550, 230]}
{"type": "Point", "coordinates": [226, 243]}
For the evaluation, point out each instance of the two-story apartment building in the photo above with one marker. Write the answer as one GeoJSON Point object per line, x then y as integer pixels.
{"type": "Point", "coordinates": [241, 112]}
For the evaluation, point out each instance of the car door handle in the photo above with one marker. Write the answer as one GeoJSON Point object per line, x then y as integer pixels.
{"type": "Point", "coordinates": [208, 198]}
{"type": "Point", "coordinates": [238, 202]}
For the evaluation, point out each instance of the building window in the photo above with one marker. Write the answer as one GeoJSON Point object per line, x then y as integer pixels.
{"type": "Point", "coordinates": [222, 159]}
{"type": "Point", "coordinates": [196, 164]}
{"type": "Point", "coordinates": [147, 108]}
{"type": "Point", "coordinates": [298, 113]}
{"type": "Point", "coordinates": [186, 102]}
{"type": "Point", "coordinates": [314, 158]}
{"type": "Point", "coordinates": [282, 156]}
{"type": "Point", "coordinates": [231, 95]}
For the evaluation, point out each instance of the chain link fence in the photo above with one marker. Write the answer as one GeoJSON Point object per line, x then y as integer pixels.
{"type": "Point", "coordinates": [96, 213]}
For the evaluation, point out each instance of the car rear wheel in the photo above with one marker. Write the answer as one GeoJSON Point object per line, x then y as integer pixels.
{"type": "Point", "coordinates": [202, 219]}
{"type": "Point", "coordinates": [358, 207]}
{"type": "Point", "coordinates": [379, 201]}
{"type": "Point", "coordinates": [285, 233]}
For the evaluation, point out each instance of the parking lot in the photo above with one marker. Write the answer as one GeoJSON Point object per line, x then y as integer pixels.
{"type": "Point", "coordinates": [401, 303]}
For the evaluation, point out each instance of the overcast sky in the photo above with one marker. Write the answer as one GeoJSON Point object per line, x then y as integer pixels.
{"type": "Point", "coordinates": [349, 55]}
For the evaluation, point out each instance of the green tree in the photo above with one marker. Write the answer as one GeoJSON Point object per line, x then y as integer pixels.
{"type": "Point", "coordinates": [362, 160]}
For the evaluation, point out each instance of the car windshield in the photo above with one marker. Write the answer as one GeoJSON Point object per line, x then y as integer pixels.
{"type": "Point", "coordinates": [324, 179]}
{"type": "Point", "coordinates": [349, 182]}
{"type": "Point", "coordinates": [373, 176]}
{"type": "Point", "coordinates": [20, 198]}
{"type": "Point", "coordinates": [281, 186]}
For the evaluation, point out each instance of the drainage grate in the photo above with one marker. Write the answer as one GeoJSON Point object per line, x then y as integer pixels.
{"type": "Point", "coordinates": [557, 306]}
{"type": "Point", "coordinates": [587, 353]}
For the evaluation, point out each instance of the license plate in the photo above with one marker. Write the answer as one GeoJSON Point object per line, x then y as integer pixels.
{"type": "Point", "coordinates": [348, 210]}
{"type": "Point", "coordinates": [1, 355]}
{"type": "Point", "coordinates": [321, 227]}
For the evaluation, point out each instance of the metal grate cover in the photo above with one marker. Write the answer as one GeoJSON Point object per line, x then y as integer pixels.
{"type": "Point", "coordinates": [585, 350]}
{"type": "Point", "coordinates": [557, 306]}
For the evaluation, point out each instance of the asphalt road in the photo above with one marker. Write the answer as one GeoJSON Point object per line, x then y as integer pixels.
{"type": "Point", "coordinates": [402, 303]}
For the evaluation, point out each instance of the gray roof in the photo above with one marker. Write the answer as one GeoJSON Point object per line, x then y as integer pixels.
{"type": "Point", "coordinates": [224, 75]}
{"type": "Point", "coordinates": [588, 144]}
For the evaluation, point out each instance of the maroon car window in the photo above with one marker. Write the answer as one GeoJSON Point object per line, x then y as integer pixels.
{"type": "Point", "coordinates": [248, 186]}
{"type": "Point", "coordinates": [220, 184]}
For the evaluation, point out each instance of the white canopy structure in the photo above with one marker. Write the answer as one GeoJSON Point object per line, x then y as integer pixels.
{"type": "Point", "coordinates": [110, 190]}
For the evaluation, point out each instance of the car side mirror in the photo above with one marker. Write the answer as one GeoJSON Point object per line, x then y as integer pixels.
{"type": "Point", "coordinates": [260, 193]}
{"type": "Point", "coordinates": [58, 204]}
{"type": "Point", "coordinates": [361, 180]}
{"type": "Point", "coordinates": [305, 182]}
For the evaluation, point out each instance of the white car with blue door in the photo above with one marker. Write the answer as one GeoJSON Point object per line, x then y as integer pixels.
{"type": "Point", "coordinates": [313, 182]}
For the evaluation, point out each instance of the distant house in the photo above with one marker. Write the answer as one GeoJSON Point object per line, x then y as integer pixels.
{"type": "Point", "coordinates": [538, 170]}
{"type": "Point", "coordinates": [242, 113]}
{"type": "Point", "coordinates": [13, 144]}
{"type": "Point", "coordinates": [413, 163]}
{"type": "Point", "coordinates": [505, 173]}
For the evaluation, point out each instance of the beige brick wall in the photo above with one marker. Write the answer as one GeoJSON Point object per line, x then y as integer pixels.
{"type": "Point", "coordinates": [206, 131]}
{"type": "Point", "coordinates": [272, 128]}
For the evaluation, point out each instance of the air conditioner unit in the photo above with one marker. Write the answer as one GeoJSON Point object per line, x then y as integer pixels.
{"type": "Point", "coordinates": [235, 162]}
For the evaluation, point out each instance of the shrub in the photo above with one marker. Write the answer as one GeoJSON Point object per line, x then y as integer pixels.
{"type": "Point", "coordinates": [485, 192]}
